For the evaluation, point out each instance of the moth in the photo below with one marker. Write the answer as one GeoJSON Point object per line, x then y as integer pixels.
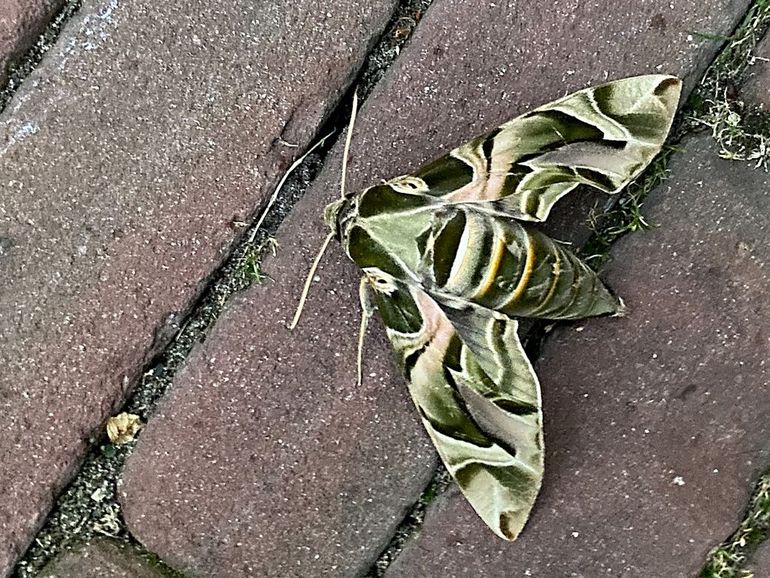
{"type": "Point", "coordinates": [451, 257]}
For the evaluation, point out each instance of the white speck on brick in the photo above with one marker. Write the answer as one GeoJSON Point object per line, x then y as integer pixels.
{"type": "Point", "coordinates": [25, 130]}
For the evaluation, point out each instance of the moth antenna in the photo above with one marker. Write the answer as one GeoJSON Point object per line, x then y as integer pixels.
{"type": "Point", "coordinates": [278, 188]}
{"type": "Point", "coordinates": [317, 260]}
{"type": "Point", "coordinates": [309, 280]}
{"type": "Point", "coordinates": [367, 310]}
{"type": "Point", "coordinates": [348, 138]}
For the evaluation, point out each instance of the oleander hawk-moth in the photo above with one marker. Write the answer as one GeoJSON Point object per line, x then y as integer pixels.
{"type": "Point", "coordinates": [450, 257]}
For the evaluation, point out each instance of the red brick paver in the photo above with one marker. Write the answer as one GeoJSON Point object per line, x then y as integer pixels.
{"type": "Point", "coordinates": [266, 458]}
{"type": "Point", "coordinates": [101, 558]}
{"type": "Point", "coordinates": [656, 423]}
{"type": "Point", "coordinates": [125, 159]}
{"type": "Point", "coordinates": [21, 21]}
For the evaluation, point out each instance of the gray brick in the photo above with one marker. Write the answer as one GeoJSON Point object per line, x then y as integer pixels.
{"type": "Point", "coordinates": [760, 561]}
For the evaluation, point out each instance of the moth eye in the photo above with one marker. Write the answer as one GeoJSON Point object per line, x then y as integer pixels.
{"type": "Point", "coordinates": [382, 284]}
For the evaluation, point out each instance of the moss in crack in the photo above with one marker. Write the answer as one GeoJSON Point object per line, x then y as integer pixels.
{"type": "Point", "coordinates": [727, 559]}
{"type": "Point", "coordinates": [624, 214]}
{"type": "Point", "coordinates": [399, 30]}
{"type": "Point", "coordinates": [118, 553]}
{"type": "Point", "coordinates": [160, 567]}
{"type": "Point", "coordinates": [739, 128]}
{"type": "Point", "coordinates": [248, 267]}
{"type": "Point", "coordinates": [409, 527]}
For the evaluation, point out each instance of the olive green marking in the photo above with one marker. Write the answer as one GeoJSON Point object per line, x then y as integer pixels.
{"type": "Point", "coordinates": [366, 252]}
{"type": "Point", "coordinates": [445, 247]}
{"type": "Point", "coordinates": [382, 199]}
{"type": "Point", "coordinates": [445, 175]}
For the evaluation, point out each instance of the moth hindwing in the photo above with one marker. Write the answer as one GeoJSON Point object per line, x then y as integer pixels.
{"type": "Point", "coordinates": [450, 256]}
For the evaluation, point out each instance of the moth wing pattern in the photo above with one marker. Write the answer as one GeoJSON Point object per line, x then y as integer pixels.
{"type": "Point", "coordinates": [477, 395]}
{"type": "Point", "coordinates": [601, 137]}
{"type": "Point", "coordinates": [449, 264]}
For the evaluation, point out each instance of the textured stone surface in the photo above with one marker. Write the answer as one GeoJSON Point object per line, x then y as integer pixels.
{"type": "Point", "coordinates": [21, 21]}
{"type": "Point", "coordinates": [100, 559]}
{"type": "Point", "coordinates": [125, 159]}
{"type": "Point", "coordinates": [657, 423]}
{"type": "Point", "coordinates": [265, 457]}
{"type": "Point", "coordinates": [760, 561]}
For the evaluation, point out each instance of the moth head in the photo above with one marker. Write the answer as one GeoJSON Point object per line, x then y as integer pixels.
{"type": "Point", "coordinates": [337, 214]}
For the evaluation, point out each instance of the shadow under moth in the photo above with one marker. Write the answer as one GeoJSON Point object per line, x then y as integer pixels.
{"type": "Point", "coordinates": [450, 258]}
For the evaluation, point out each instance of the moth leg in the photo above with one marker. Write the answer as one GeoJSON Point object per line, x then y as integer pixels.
{"type": "Point", "coordinates": [367, 310]}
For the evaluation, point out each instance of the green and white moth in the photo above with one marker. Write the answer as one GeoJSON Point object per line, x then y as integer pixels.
{"type": "Point", "coordinates": [450, 257]}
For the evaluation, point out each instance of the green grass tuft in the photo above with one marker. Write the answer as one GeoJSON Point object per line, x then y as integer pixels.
{"type": "Point", "coordinates": [249, 264]}
{"type": "Point", "coordinates": [726, 560]}
{"type": "Point", "coordinates": [741, 130]}
{"type": "Point", "coordinates": [625, 215]}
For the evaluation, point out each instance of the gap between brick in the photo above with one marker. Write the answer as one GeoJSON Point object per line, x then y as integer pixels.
{"type": "Point", "coordinates": [30, 59]}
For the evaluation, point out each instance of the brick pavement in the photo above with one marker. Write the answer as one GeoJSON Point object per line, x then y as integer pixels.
{"type": "Point", "coordinates": [265, 459]}
{"type": "Point", "coordinates": [277, 407]}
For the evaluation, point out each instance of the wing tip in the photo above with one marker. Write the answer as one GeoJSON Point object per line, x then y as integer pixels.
{"type": "Point", "coordinates": [669, 91]}
{"type": "Point", "coordinates": [511, 524]}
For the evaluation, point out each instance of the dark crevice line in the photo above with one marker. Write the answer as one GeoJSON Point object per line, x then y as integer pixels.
{"type": "Point", "coordinates": [411, 523]}
{"type": "Point", "coordinates": [731, 556]}
{"type": "Point", "coordinates": [24, 65]}
{"type": "Point", "coordinates": [78, 515]}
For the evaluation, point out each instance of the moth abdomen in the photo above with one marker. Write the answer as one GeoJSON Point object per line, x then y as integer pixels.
{"type": "Point", "coordinates": [557, 285]}
{"type": "Point", "coordinates": [509, 267]}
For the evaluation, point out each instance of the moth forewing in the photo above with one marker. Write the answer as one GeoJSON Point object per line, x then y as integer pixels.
{"type": "Point", "coordinates": [448, 265]}
{"type": "Point", "coordinates": [601, 137]}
